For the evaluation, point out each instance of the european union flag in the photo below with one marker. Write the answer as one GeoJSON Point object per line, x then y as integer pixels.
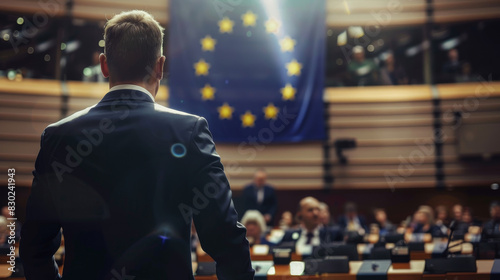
{"type": "Point", "coordinates": [254, 69]}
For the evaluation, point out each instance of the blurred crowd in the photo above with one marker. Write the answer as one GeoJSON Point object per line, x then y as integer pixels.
{"type": "Point", "coordinates": [313, 224]}
{"type": "Point", "coordinates": [385, 69]}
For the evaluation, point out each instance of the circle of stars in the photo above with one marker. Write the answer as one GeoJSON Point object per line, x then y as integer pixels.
{"type": "Point", "coordinates": [293, 68]}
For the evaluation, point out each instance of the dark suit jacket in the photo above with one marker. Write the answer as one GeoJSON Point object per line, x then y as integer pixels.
{"type": "Point", "coordinates": [123, 179]}
{"type": "Point", "coordinates": [343, 222]}
{"type": "Point", "coordinates": [269, 204]}
{"type": "Point", "coordinates": [491, 230]}
{"type": "Point", "coordinates": [326, 235]}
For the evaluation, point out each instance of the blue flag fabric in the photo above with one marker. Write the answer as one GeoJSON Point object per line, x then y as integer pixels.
{"type": "Point", "coordinates": [253, 69]}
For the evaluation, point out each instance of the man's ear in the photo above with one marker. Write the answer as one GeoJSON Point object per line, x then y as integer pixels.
{"type": "Point", "coordinates": [104, 65]}
{"type": "Point", "coordinates": [159, 67]}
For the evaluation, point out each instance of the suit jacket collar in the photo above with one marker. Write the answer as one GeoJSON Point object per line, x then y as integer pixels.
{"type": "Point", "coordinates": [130, 95]}
{"type": "Point", "coordinates": [133, 87]}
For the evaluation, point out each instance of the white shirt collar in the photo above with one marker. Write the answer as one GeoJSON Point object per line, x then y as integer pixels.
{"type": "Point", "coordinates": [133, 87]}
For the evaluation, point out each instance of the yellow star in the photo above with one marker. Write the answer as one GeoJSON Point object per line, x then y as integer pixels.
{"type": "Point", "coordinates": [288, 92]}
{"type": "Point", "coordinates": [226, 25]}
{"type": "Point", "coordinates": [225, 111]}
{"type": "Point", "coordinates": [208, 43]}
{"type": "Point", "coordinates": [272, 26]}
{"type": "Point", "coordinates": [248, 119]}
{"type": "Point", "coordinates": [201, 68]}
{"type": "Point", "coordinates": [249, 19]}
{"type": "Point", "coordinates": [207, 92]}
{"type": "Point", "coordinates": [287, 44]}
{"type": "Point", "coordinates": [271, 111]}
{"type": "Point", "coordinates": [293, 68]}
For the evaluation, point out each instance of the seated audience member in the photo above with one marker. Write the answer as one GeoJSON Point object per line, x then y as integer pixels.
{"type": "Point", "coordinates": [261, 196]}
{"type": "Point", "coordinates": [351, 221]}
{"type": "Point", "coordinates": [324, 215]}
{"type": "Point", "coordinates": [423, 222]}
{"type": "Point", "coordinates": [384, 225]}
{"type": "Point", "coordinates": [391, 73]}
{"type": "Point", "coordinates": [491, 229]}
{"type": "Point", "coordinates": [311, 232]}
{"type": "Point", "coordinates": [468, 221]}
{"type": "Point", "coordinates": [457, 211]}
{"type": "Point", "coordinates": [286, 221]}
{"type": "Point", "coordinates": [363, 71]}
{"type": "Point", "coordinates": [442, 220]}
{"type": "Point", "coordinates": [256, 227]}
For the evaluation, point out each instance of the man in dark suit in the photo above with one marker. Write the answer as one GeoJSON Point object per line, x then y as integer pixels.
{"type": "Point", "coordinates": [351, 221]}
{"type": "Point", "coordinates": [491, 229]}
{"type": "Point", "coordinates": [311, 232]}
{"type": "Point", "coordinates": [261, 196]}
{"type": "Point", "coordinates": [124, 179]}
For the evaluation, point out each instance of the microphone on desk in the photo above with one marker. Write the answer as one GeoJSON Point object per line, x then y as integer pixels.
{"type": "Point", "coordinates": [453, 226]}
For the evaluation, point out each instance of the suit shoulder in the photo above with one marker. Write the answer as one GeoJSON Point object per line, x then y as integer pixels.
{"type": "Point", "coordinates": [162, 109]}
{"type": "Point", "coordinates": [72, 117]}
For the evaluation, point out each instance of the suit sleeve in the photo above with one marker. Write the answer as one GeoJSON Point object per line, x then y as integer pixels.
{"type": "Point", "coordinates": [40, 234]}
{"type": "Point", "coordinates": [220, 233]}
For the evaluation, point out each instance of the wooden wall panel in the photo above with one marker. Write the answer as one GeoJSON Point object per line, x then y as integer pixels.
{"type": "Point", "coordinates": [476, 110]}
{"type": "Point", "coordinates": [289, 166]}
{"type": "Point", "coordinates": [23, 117]}
{"type": "Point", "coordinates": [395, 136]}
{"type": "Point", "coordinates": [395, 142]}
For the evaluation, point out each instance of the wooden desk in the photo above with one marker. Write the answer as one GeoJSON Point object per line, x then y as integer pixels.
{"type": "Point", "coordinates": [5, 273]}
{"type": "Point", "coordinates": [282, 272]}
{"type": "Point", "coordinates": [414, 272]}
{"type": "Point", "coordinates": [212, 277]}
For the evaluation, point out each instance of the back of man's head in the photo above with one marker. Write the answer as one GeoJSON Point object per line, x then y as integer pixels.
{"type": "Point", "coordinates": [133, 45]}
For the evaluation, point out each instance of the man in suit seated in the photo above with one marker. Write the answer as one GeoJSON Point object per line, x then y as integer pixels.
{"type": "Point", "coordinates": [125, 178]}
{"type": "Point", "coordinates": [311, 232]}
{"type": "Point", "coordinates": [353, 225]}
{"type": "Point", "coordinates": [491, 229]}
{"type": "Point", "coordinates": [260, 196]}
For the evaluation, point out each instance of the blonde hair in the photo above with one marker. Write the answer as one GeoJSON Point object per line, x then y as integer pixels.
{"type": "Point", "coordinates": [427, 210]}
{"type": "Point", "coordinates": [254, 216]}
{"type": "Point", "coordinates": [133, 42]}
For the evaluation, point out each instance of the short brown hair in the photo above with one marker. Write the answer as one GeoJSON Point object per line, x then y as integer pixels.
{"type": "Point", "coordinates": [133, 44]}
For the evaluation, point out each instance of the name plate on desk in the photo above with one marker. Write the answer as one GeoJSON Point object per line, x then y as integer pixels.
{"type": "Point", "coordinates": [373, 270]}
{"type": "Point", "coordinates": [282, 255]}
{"type": "Point", "coordinates": [400, 254]}
{"type": "Point", "coordinates": [260, 249]}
